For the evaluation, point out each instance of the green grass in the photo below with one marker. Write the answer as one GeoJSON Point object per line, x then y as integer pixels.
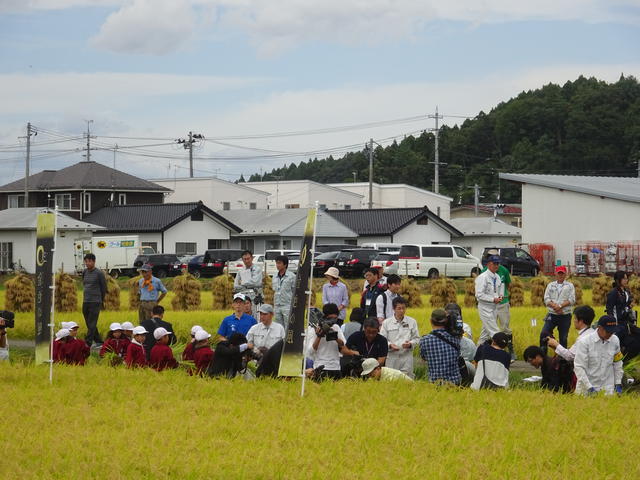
{"type": "Point", "coordinates": [113, 423]}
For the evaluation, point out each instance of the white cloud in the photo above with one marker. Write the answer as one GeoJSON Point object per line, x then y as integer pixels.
{"type": "Point", "coordinates": [15, 6]}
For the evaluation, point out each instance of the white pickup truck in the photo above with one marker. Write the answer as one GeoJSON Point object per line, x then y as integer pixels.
{"type": "Point", "coordinates": [114, 254]}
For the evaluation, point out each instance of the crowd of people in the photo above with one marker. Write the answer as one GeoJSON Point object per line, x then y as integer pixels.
{"type": "Point", "coordinates": [379, 339]}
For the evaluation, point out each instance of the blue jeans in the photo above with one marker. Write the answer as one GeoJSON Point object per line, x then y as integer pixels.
{"type": "Point", "coordinates": [551, 321]}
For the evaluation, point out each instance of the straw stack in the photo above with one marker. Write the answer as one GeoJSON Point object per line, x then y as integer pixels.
{"type": "Point", "coordinates": [112, 298]}
{"type": "Point", "coordinates": [443, 291]}
{"type": "Point", "coordinates": [66, 293]}
{"type": "Point", "coordinates": [516, 292]}
{"type": "Point", "coordinates": [634, 286]}
{"type": "Point", "coordinates": [222, 291]}
{"type": "Point", "coordinates": [186, 289]}
{"type": "Point", "coordinates": [267, 290]}
{"type": "Point", "coordinates": [538, 286]}
{"type": "Point", "coordinates": [134, 293]}
{"type": "Point", "coordinates": [410, 291]}
{"type": "Point", "coordinates": [600, 289]}
{"type": "Point", "coordinates": [470, 292]}
{"type": "Point", "coordinates": [20, 294]}
{"type": "Point", "coordinates": [577, 284]}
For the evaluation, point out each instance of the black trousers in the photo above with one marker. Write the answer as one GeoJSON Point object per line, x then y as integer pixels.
{"type": "Point", "coordinates": [91, 312]}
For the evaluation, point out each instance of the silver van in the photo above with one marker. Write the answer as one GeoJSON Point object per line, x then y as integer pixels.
{"type": "Point", "coordinates": [434, 260]}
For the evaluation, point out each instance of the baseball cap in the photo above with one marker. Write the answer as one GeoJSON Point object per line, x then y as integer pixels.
{"type": "Point", "coordinates": [369, 365]}
{"type": "Point", "coordinates": [115, 326]}
{"type": "Point", "coordinates": [439, 316]}
{"type": "Point", "coordinates": [146, 268]}
{"type": "Point", "coordinates": [195, 328]}
{"type": "Point", "coordinates": [62, 333]}
{"type": "Point", "coordinates": [332, 272]}
{"type": "Point", "coordinates": [139, 331]}
{"type": "Point", "coordinates": [160, 332]}
{"type": "Point", "coordinates": [72, 325]}
{"type": "Point", "coordinates": [493, 259]}
{"type": "Point", "coordinates": [561, 269]}
{"type": "Point", "coordinates": [266, 308]}
{"type": "Point", "coordinates": [202, 335]}
{"type": "Point", "coordinates": [127, 326]}
{"type": "Point", "coordinates": [239, 296]}
{"type": "Point", "coordinates": [609, 323]}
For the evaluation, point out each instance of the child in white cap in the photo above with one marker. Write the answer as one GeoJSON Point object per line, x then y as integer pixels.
{"type": "Point", "coordinates": [116, 342]}
{"type": "Point", "coordinates": [136, 356]}
{"type": "Point", "coordinates": [187, 355]}
{"type": "Point", "coordinates": [161, 354]}
{"type": "Point", "coordinates": [202, 351]}
{"type": "Point", "coordinates": [127, 328]}
{"type": "Point", "coordinates": [59, 345]}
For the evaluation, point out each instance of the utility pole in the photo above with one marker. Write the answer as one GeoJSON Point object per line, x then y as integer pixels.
{"type": "Point", "coordinates": [277, 179]}
{"type": "Point", "coordinates": [370, 173]}
{"type": "Point", "coordinates": [88, 155]}
{"type": "Point", "coordinates": [188, 145]}
{"type": "Point", "coordinates": [356, 173]}
{"type": "Point", "coordinates": [27, 159]}
{"type": "Point", "coordinates": [436, 159]}
{"type": "Point", "coordinates": [476, 198]}
{"type": "Point", "coordinates": [114, 155]}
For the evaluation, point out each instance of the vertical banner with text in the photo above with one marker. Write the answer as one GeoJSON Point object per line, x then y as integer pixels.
{"type": "Point", "coordinates": [44, 281]}
{"type": "Point", "coordinates": [293, 348]}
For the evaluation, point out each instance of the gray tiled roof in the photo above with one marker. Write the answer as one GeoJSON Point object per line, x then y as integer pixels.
{"type": "Point", "coordinates": [619, 188]}
{"type": "Point", "coordinates": [81, 176]}
{"type": "Point", "coordinates": [27, 219]}
{"type": "Point", "coordinates": [288, 222]}
{"type": "Point", "coordinates": [386, 221]}
{"type": "Point", "coordinates": [156, 217]}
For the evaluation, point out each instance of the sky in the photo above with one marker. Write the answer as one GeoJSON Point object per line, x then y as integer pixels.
{"type": "Point", "coordinates": [270, 82]}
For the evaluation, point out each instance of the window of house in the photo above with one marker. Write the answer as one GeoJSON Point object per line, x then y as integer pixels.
{"type": "Point", "coordinates": [186, 248]}
{"type": "Point", "coordinates": [216, 243]}
{"type": "Point", "coordinates": [63, 201]}
{"type": "Point", "coordinates": [253, 205]}
{"type": "Point", "coordinates": [347, 207]}
{"type": "Point", "coordinates": [246, 244]}
{"type": "Point", "coordinates": [6, 256]}
{"type": "Point", "coordinates": [86, 202]}
{"type": "Point", "coordinates": [122, 199]}
{"type": "Point", "coordinates": [351, 241]}
{"type": "Point", "coordinates": [273, 244]}
{"type": "Point", "coordinates": [286, 244]}
{"type": "Point", "coordinates": [16, 201]}
{"type": "Point", "coordinates": [423, 220]}
{"type": "Point", "coordinates": [226, 205]}
{"type": "Point", "coordinates": [197, 216]}
{"type": "Point", "coordinates": [322, 206]}
{"type": "Point", "coordinates": [292, 205]}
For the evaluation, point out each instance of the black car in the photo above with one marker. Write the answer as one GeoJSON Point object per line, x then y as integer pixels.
{"type": "Point", "coordinates": [191, 263]}
{"type": "Point", "coordinates": [324, 261]}
{"type": "Point", "coordinates": [214, 262]}
{"type": "Point", "coordinates": [353, 262]}
{"type": "Point", "coordinates": [162, 264]}
{"type": "Point", "coordinates": [516, 260]}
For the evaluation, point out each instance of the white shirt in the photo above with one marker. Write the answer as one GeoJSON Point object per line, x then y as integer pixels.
{"type": "Point", "coordinates": [559, 293]}
{"type": "Point", "coordinates": [381, 310]}
{"type": "Point", "coordinates": [248, 280]}
{"type": "Point", "coordinates": [488, 287]}
{"type": "Point", "coordinates": [569, 354]}
{"type": "Point", "coordinates": [328, 353]}
{"type": "Point", "coordinates": [597, 363]}
{"type": "Point", "coordinates": [262, 336]}
{"type": "Point", "coordinates": [400, 331]}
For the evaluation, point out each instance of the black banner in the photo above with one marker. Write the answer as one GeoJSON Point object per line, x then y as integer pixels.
{"type": "Point", "coordinates": [291, 362]}
{"type": "Point", "coordinates": [44, 282]}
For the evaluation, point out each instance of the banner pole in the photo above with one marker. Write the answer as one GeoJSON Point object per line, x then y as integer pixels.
{"type": "Point", "coordinates": [53, 294]}
{"type": "Point", "coordinates": [304, 332]}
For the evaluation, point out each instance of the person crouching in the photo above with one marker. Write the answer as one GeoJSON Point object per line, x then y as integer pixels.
{"type": "Point", "coordinates": [202, 353]}
{"type": "Point", "coordinates": [136, 356]}
{"type": "Point", "coordinates": [161, 356]}
{"type": "Point", "coordinates": [116, 343]}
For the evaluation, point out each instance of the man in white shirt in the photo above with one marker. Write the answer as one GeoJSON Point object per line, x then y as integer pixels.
{"type": "Point", "coordinates": [582, 319]}
{"type": "Point", "coordinates": [559, 297]}
{"type": "Point", "coordinates": [489, 293]}
{"type": "Point", "coordinates": [249, 280]}
{"type": "Point", "coordinates": [265, 333]}
{"type": "Point", "coordinates": [326, 353]}
{"type": "Point", "coordinates": [598, 360]}
{"type": "Point", "coordinates": [401, 332]}
{"type": "Point", "coordinates": [384, 302]}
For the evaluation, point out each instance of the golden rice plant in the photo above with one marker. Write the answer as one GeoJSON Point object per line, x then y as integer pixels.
{"type": "Point", "coordinates": [600, 289]}
{"type": "Point", "coordinates": [443, 291]}
{"type": "Point", "coordinates": [134, 293]}
{"type": "Point", "coordinates": [20, 294]}
{"type": "Point", "coordinates": [516, 292]}
{"type": "Point", "coordinates": [222, 291]}
{"type": "Point", "coordinates": [112, 298]}
{"type": "Point", "coordinates": [470, 292]}
{"type": "Point", "coordinates": [267, 290]}
{"type": "Point", "coordinates": [538, 286]}
{"type": "Point", "coordinates": [577, 284]}
{"type": "Point", "coordinates": [410, 291]}
{"type": "Point", "coordinates": [186, 289]}
{"type": "Point", "coordinates": [66, 299]}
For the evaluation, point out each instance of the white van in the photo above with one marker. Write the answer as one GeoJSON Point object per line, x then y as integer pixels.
{"type": "Point", "coordinates": [382, 247]}
{"type": "Point", "coordinates": [435, 260]}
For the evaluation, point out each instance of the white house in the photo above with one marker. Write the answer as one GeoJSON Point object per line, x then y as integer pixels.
{"type": "Point", "coordinates": [481, 232]}
{"type": "Point", "coordinates": [565, 210]}
{"type": "Point", "coordinates": [283, 228]}
{"type": "Point", "coordinates": [180, 228]}
{"type": "Point", "coordinates": [305, 194]}
{"type": "Point", "coordinates": [399, 195]}
{"type": "Point", "coordinates": [214, 192]}
{"type": "Point", "coordinates": [18, 239]}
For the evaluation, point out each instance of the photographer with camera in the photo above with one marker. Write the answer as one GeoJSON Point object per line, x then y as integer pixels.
{"type": "Point", "coordinates": [441, 350]}
{"type": "Point", "coordinates": [367, 343]}
{"type": "Point", "coordinates": [248, 281]}
{"type": "Point", "coordinates": [401, 332]}
{"type": "Point", "coordinates": [6, 321]}
{"type": "Point", "coordinates": [325, 342]}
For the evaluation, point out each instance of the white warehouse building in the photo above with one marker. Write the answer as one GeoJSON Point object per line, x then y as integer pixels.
{"type": "Point", "coordinates": [305, 194]}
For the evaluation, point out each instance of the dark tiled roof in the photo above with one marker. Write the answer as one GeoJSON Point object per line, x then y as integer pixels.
{"type": "Point", "coordinates": [156, 217]}
{"type": "Point", "coordinates": [84, 175]}
{"type": "Point", "coordinates": [386, 221]}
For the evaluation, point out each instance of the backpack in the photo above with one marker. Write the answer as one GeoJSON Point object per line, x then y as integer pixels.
{"type": "Point", "coordinates": [462, 364]}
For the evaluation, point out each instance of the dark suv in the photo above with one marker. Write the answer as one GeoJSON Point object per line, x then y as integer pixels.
{"type": "Point", "coordinates": [516, 260]}
{"type": "Point", "coordinates": [323, 261]}
{"type": "Point", "coordinates": [353, 262]}
{"type": "Point", "coordinates": [214, 262]}
{"type": "Point", "coordinates": [162, 264]}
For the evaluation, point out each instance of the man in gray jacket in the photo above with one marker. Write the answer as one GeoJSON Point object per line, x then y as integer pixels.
{"type": "Point", "coordinates": [249, 280]}
{"type": "Point", "coordinates": [559, 297]}
{"type": "Point", "coordinates": [95, 289]}
{"type": "Point", "coordinates": [283, 283]}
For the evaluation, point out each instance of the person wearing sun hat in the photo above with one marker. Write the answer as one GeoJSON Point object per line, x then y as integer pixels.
{"type": "Point", "coordinates": [372, 369]}
{"type": "Point", "coordinates": [336, 292]}
{"type": "Point", "coordinates": [559, 297]}
{"type": "Point", "coordinates": [598, 361]}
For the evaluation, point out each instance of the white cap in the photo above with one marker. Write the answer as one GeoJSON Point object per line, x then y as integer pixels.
{"type": "Point", "coordinates": [195, 328]}
{"type": "Point", "coordinates": [72, 325]}
{"type": "Point", "coordinates": [64, 325]}
{"type": "Point", "coordinates": [139, 331]}
{"type": "Point", "coordinates": [63, 332]}
{"type": "Point", "coordinates": [115, 326]}
{"type": "Point", "coordinates": [369, 365]}
{"type": "Point", "coordinates": [127, 326]}
{"type": "Point", "coordinates": [202, 335]}
{"type": "Point", "coordinates": [240, 296]}
{"type": "Point", "coordinates": [160, 332]}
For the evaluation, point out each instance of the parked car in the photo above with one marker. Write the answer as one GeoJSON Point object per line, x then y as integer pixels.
{"type": "Point", "coordinates": [162, 264]}
{"type": "Point", "coordinates": [215, 261]}
{"type": "Point", "coordinates": [516, 260]}
{"type": "Point", "coordinates": [270, 260]}
{"type": "Point", "coordinates": [184, 263]}
{"type": "Point", "coordinates": [435, 260]}
{"type": "Point", "coordinates": [353, 262]}
{"type": "Point", "coordinates": [323, 261]}
{"type": "Point", "coordinates": [334, 247]}
{"type": "Point", "coordinates": [235, 267]}
{"type": "Point", "coordinates": [382, 247]}
{"type": "Point", "coordinates": [388, 261]}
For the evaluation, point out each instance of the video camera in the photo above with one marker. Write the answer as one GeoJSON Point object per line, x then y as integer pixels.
{"type": "Point", "coordinates": [258, 299]}
{"type": "Point", "coordinates": [326, 331]}
{"type": "Point", "coordinates": [8, 318]}
{"type": "Point", "coordinates": [454, 320]}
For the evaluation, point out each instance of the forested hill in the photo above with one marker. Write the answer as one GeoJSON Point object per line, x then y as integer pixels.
{"type": "Point", "coordinates": [586, 127]}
